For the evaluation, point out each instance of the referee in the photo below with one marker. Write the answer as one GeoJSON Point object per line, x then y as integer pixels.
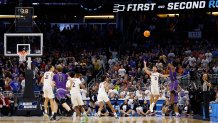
{"type": "Point", "coordinates": [206, 96]}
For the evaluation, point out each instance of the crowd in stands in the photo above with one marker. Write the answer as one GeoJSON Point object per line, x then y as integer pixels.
{"type": "Point", "coordinates": [88, 50]}
{"type": "Point", "coordinates": [130, 83]}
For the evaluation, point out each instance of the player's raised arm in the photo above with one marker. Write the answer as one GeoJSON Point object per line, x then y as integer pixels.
{"type": "Point", "coordinates": [145, 68]}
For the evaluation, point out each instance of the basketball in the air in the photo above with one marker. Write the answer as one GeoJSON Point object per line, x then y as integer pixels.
{"type": "Point", "coordinates": [147, 33]}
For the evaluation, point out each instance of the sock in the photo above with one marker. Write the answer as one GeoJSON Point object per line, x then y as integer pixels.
{"type": "Point", "coordinates": [152, 107]}
{"type": "Point", "coordinates": [46, 112]}
{"type": "Point", "coordinates": [99, 113]}
{"type": "Point", "coordinates": [115, 114]}
{"type": "Point", "coordinates": [153, 104]}
{"type": "Point", "coordinates": [52, 113]}
{"type": "Point", "coordinates": [74, 114]}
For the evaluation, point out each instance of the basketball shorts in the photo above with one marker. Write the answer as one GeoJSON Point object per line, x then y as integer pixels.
{"type": "Point", "coordinates": [77, 100]}
{"type": "Point", "coordinates": [155, 90]}
{"type": "Point", "coordinates": [102, 97]}
{"type": "Point", "coordinates": [48, 92]}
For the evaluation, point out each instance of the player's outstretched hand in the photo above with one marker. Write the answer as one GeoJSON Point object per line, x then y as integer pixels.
{"type": "Point", "coordinates": [145, 62]}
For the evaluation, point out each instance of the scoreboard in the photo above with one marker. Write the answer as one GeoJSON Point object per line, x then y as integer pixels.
{"type": "Point", "coordinates": [24, 16]}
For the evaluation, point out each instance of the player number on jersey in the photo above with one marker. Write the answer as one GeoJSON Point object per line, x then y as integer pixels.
{"type": "Point", "coordinates": [155, 78]}
{"type": "Point", "coordinates": [73, 84]}
{"type": "Point", "coordinates": [46, 76]}
{"type": "Point", "coordinates": [60, 78]}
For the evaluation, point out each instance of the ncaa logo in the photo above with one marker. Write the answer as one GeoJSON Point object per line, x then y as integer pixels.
{"type": "Point", "coordinates": [118, 8]}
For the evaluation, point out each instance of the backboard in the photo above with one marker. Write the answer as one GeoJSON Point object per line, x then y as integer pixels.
{"type": "Point", "coordinates": [30, 42]}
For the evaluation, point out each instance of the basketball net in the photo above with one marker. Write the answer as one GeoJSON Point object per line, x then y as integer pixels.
{"type": "Point", "coordinates": [22, 56]}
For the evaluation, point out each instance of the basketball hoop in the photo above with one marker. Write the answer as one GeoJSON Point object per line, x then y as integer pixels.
{"type": "Point", "coordinates": [22, 56]}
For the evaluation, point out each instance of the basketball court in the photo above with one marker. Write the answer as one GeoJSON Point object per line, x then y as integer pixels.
{"type": "Point", "coordinates": [148, 119]}
{"type": "Point", "coordinates": [28, 44]}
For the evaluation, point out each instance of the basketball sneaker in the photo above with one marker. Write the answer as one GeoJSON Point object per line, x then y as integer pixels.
{"type": "Point", "coordinates": [52, 118]}
{"type": "Point", "coordinates": [45, 115]}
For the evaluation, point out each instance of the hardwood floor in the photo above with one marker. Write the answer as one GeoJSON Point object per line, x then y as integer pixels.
{"type": "Point", "coordinates": [155, 119]}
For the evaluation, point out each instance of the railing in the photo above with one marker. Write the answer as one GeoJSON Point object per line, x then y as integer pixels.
{"type": "Point", "coordinates": [100, 73]}
{"type": "Point", "coordinates": [91, 83]}
{"type": "Point", "coordinates": [185, 81]}
{"type": "Point", "coordinates": [96, 79]}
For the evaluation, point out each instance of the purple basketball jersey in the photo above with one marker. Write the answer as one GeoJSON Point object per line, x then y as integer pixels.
{"type": "Point", "coordinates": [60, 80]}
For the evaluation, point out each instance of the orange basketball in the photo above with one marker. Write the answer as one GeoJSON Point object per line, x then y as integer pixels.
{"type": "Point", "coordinates": [147, 33]}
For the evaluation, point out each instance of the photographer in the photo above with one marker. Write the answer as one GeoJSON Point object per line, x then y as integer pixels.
{"type": "Point", "coordinates": [166, 108]}
{"type": "Point", "coordinates": [194, 92]}
{"type": "Point", "coordinates": [125, 109]}
{"type": "Point", "coordinates": [93, 95]}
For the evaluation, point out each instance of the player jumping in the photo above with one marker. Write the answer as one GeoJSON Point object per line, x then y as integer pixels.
{"type": "Point", "coordinates": [174, 87]}
{"type": "Point", "coordinates": [155, 88]}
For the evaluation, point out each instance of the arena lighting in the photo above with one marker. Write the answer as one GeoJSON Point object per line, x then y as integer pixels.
{"type": "Point", "coordinates": [12, 16]}
{"type": "Point", "coordinates": [99, 17]}
{"type": "Point", "coordinates": [167, 15]}
{"type": "Point", "coordinates": [213, 13]}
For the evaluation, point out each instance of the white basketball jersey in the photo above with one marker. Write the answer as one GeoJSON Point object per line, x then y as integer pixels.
{"type": "Point", "coordinates": [48, 78]}
{"type": "Point", "coordinates": [101, 89]}
{"type": "Point", "coordinates": [155, 78]}
{"type": "Point", "coordinates": [75, 85]}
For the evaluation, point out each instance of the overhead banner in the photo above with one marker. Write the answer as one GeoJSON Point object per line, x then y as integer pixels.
{"type": "Point", "coordinates": [79, 7]}
{"type": "Point", "coordinates": [170, 6]}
